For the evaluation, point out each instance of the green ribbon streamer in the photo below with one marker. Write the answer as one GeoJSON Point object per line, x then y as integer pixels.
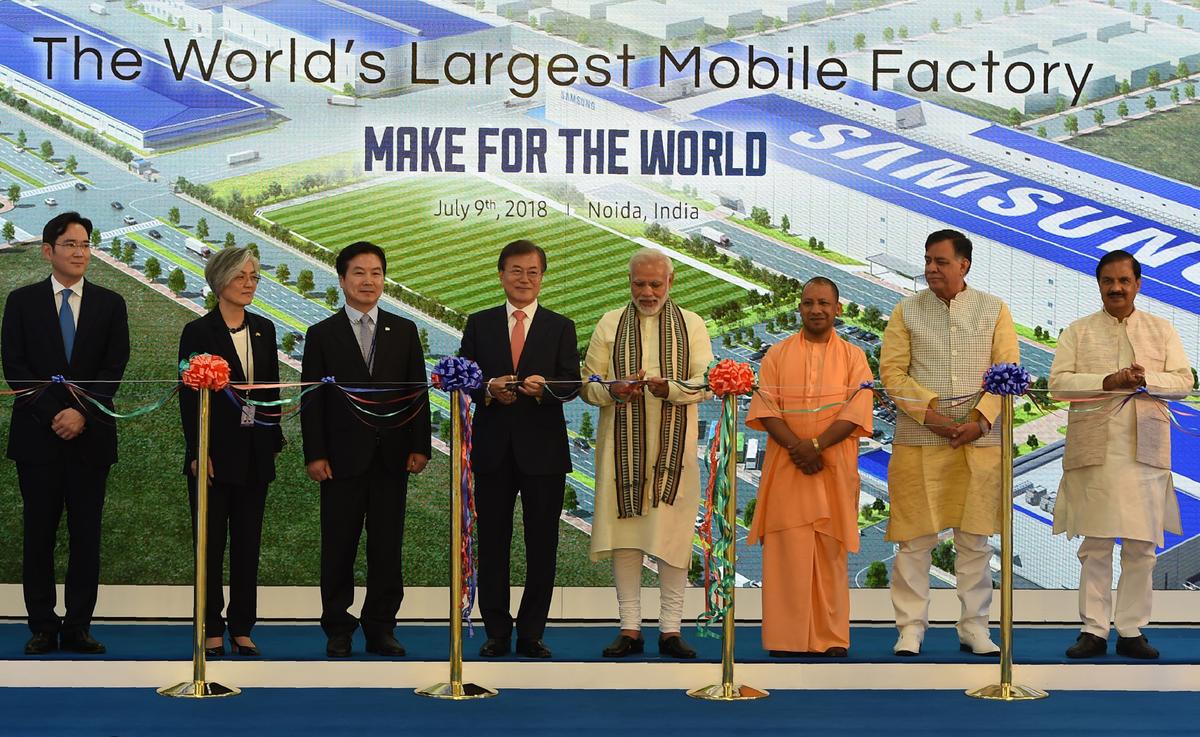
{"type": "Point", "coordinates": [719, 587]}
{"type": "Point", "coordinates": [140, 411]}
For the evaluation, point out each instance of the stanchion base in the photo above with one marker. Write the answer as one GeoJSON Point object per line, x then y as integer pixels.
{"type": "Point", "coordinates": [199, 690]}
{"type": "Point", "coordinates": [727, 692]}
{"type": "Point", "coordinates": [1007, 692]}
{"type": "Point", "coordinates": [456, 691]}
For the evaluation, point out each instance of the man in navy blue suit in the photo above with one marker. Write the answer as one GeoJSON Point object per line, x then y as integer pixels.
{"type": "Point", "coordinates": [64, 447]}
{"type": "Point", "coordinates": [530, 359]}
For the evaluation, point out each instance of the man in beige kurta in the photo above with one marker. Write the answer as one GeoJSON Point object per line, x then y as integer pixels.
{"type": "Point", "coordinates": [1116, 479]}
{"type": "Point", "coordinates": [654, 512]}
{"type": "Point", "coordinates": [811, 403]}
{"type": "Point", "coordinates": [945, 467]}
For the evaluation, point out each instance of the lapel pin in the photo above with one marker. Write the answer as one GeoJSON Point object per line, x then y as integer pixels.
{"type": "Point", "coordinates": [258, 335]}
{"type": "Point", "coordinates": [386, 329]}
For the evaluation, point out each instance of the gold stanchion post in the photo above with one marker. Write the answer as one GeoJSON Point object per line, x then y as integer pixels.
{"type": "Point", "coordinates": [1006, 690]}
{"type": "Point", "coordinates": [455, 689]}
{"type": "Point", "coordinates": [727, 690]}
{"type": "Point", "coordinates": [199, 687]}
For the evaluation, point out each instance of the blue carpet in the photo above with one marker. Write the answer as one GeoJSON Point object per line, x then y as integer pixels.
{"type": "Point", "coordinates": [266, 712]}
{"type": "Point", "coordinates": [1034, 645]}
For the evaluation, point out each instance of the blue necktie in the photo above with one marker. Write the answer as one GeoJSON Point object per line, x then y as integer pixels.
{"type": "Point", "coordinates": [66, 321]}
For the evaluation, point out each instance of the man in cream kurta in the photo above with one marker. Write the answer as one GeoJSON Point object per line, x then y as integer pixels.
{"type": "Point", "coordinates": [1116, 479]}
{"type": "Point", "coordinates": [945, 467]}
{"type": "Point", "coordinates": [655, 514]}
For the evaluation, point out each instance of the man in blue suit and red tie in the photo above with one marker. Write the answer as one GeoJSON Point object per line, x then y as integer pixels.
{"type": "Point", "coordinates": [64, 447]}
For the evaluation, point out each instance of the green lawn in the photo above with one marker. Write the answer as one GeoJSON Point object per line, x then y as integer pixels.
{"type": "Point", "coordinates": [1164, 143]}
{"type": "Point", "coordinates": [250, 185]}
{"type": "Point", "coordinates": [147, 537]}
{"type": "Point", "coordinates": [454, 261]}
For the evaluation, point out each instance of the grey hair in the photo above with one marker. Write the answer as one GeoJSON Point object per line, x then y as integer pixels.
{"type": "Point", "coordinates": [642, 255]}
{"type": "Point", "coordinates": [225, 264]}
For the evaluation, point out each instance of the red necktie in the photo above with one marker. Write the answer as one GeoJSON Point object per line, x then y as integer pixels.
{"type": "Point", "coordinates": [517, 339]}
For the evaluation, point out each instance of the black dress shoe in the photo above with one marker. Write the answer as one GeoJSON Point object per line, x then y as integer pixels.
{"type": "Point", "coordinates": [215, 652]}
{"type": "Point", "coordinates": [673, 646]}
{"type": "Point", "coordinates": [836, 652]}
{"type": "Point", "coordinates": [1136, 647]}
{"type": "Point", "coordinates": [787, 654]}
{"type": "Point", "coordinates": [81, 641]}
{"type": "Point", "coordinates": [495, 648]}
{"type": "Point", "coordinates": [532, 649]}
{"type": "Point", "coordinates": [624, 646]}
{"type": "Point", "coordinates": [249, 651]}
{"type": "Point", "coordinates": [338, 646]}
{"type": "Point", "coordinates": [386, 645]}
{"type": "Point", "coordinates": [1088, 645]}
{"type": "Point", "coordinates": [41, 643]}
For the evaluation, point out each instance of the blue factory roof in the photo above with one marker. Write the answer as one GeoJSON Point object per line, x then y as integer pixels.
{"type": "Point", "coordinates": [322, 22]}
{"type": "Point", "coordinates": [1083, 161]}
{"type": "Point", "coordinates": [431, 20]}
{"type": "Point", "coordinates": [152, 101]}
{"type": "Point", "coordinates": [952, 189]}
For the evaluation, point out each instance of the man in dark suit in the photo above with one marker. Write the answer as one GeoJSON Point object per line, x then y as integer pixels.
{"type": "Point", "coordinates": [63, 447]}
{"type": "Point", "coordinates": [363, 461]}
{"type": "Point", "coordinates": [520, 444]}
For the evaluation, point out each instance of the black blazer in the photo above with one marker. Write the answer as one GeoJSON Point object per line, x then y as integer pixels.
{"type": "Point", "coordinates": [333, 428]}
{"type": "Point", "coordinates": [31, 349]}
{"type": "Point", "coordinates": [532, 433]}
{"type": "Point", "coordinates": [234, 449]}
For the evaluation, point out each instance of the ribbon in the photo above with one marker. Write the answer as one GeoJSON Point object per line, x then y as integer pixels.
{"type": "Point", "coordinates": [730, 377]}
{"type": "Point", "coordinates": [1006, 379]}
{"type": "Point", "coordinates": [716, 532]}
{"type": "Point", "coordinates": [205, 371]}
{"type": "Point", "coordinates": [466, 488]}
{"type": "Point", "coordinates": [457, 373]}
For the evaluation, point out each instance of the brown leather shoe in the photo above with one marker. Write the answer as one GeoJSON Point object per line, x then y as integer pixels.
{"type": "Point", "coordinates": [1088, 645]}
{"type": "Point", "coordinates": [1136, 647]}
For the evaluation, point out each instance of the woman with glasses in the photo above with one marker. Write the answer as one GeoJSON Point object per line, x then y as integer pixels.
{"type": "Point", "coordinates": [243, 442]}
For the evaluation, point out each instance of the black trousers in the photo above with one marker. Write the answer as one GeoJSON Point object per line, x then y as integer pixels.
{"type": "Point", "coordinates": [541, 505]}
{"type": "Point", "coordinates": [46, 489]}
{"type": "Point", "coordinates": [375, 499]}
{"type": "Point", "coordinates": [235, 510]}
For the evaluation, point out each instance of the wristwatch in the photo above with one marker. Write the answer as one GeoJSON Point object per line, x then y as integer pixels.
{"type": "Point", "coordinates": [816, 445]}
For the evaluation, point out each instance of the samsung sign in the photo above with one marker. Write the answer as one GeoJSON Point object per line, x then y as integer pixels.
{"type": "Point", "coordinates": [1050, 223]}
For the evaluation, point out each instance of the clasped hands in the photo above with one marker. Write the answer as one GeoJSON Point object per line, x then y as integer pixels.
{"type": "Point", "coordinates": [68, 424]}
{"type": "Point", "coordinates": [1131, 377]}
{"type": "Point", "coordinates": [805, 456]}
{"type": "Point", "coordinates": [504, 389]}
{"type": "Point", "coordinates": [629, 387]}
{"type": "Point", "coordinates": [958, 433]}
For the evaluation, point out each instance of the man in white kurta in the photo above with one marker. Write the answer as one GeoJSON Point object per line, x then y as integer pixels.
{"type": "Point", "coordinates": [655, 513]}
{"type": "Point", "coordinates": [1116, 479]}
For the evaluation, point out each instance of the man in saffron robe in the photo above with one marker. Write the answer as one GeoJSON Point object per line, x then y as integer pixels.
{"type": "Point", "coordinates": [811, 405]}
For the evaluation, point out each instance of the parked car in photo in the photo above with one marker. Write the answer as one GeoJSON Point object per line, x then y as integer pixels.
{"type": "Point", "coordinates": [117, 205]}
{"type": "Point", "coordinates": [154, 234]}
{"type": "Point", "coordinates": [81, 186]}
{"type": "Point", "coordinates": [130, 220]}
{"type": "Point", "coordinates": [51, 201]}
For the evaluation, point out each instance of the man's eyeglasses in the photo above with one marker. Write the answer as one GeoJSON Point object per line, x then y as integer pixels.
{"type": "Point", "coordinates": [531, 274]}
{"type": "Point", "coordinates": [74, 245]}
